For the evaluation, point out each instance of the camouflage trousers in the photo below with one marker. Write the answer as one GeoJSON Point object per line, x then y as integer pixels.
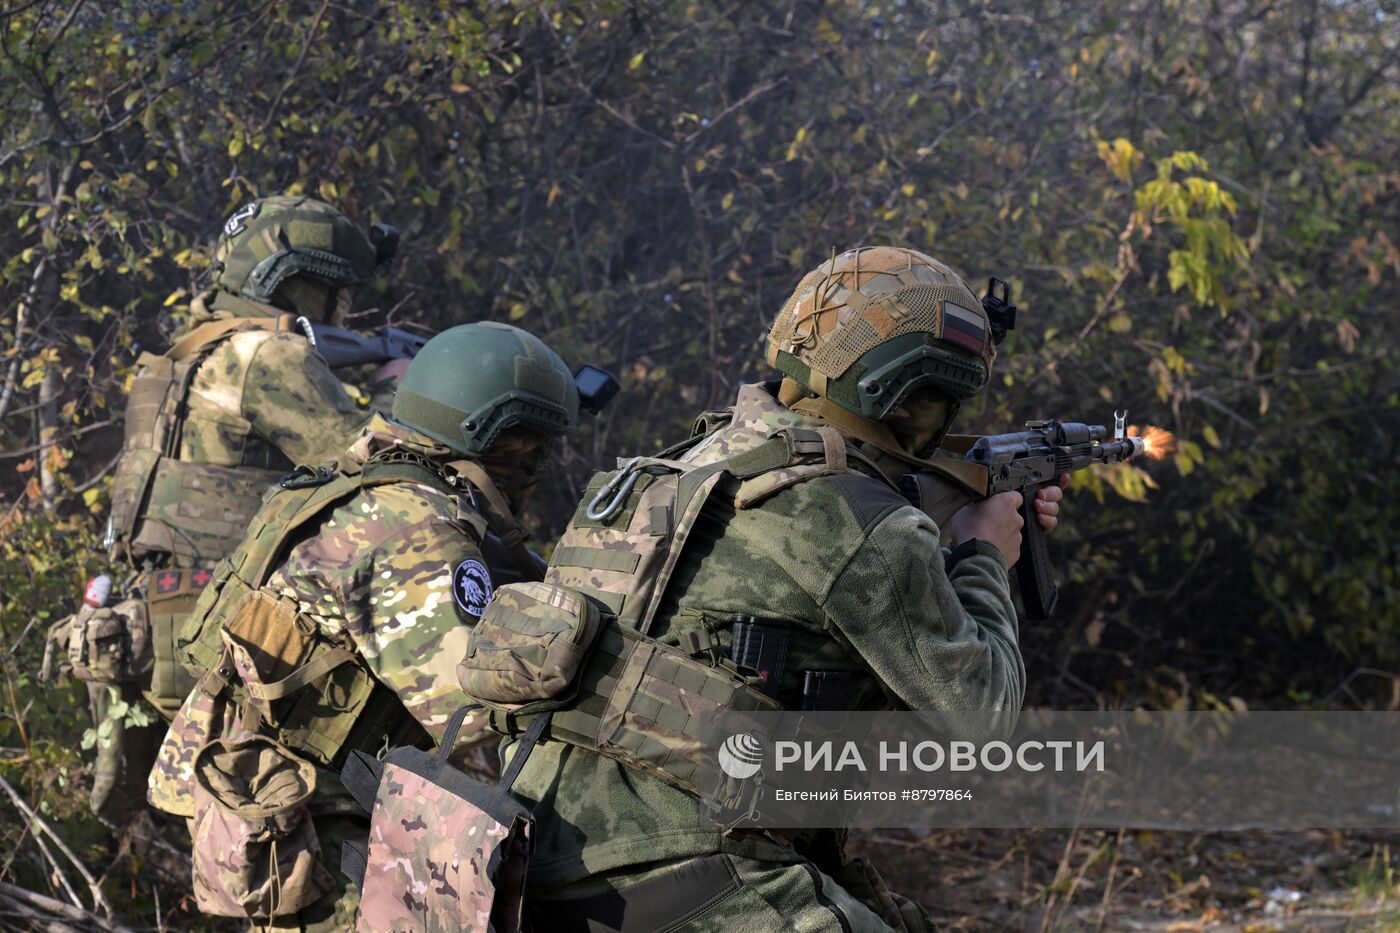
{"type": "Point", "coordinates": [728, 894]}
{"type": "Point", "coordinates": [123, 759]}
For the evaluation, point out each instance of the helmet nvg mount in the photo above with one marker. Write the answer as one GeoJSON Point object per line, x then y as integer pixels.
{"type": "Point", "coordinates": [474, 381]}
{"type": "Point", "coordinates": [867, 328]}
{"type": "Point", "coordinates": [268, 241]}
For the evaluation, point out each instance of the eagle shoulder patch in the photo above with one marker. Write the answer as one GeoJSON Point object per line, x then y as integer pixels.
{"type": "Point", "coordinates": [471, 587]}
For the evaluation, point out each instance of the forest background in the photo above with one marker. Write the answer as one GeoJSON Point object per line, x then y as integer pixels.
{"type": "Point", "coordinates": [1195, 202]}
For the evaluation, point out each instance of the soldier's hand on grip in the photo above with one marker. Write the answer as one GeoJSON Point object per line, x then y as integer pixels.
{"type": "Point", "coordinates": [996, 520]}
{"type": "Point", "coordinates": [1047, 503]}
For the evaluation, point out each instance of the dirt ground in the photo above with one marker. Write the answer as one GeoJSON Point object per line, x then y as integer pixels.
{"type": "Point", "coordinates": [1062, 880]}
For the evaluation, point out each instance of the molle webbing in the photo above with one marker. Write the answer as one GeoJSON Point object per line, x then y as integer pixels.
{"type": "Point", "coordinates": [625, 560]}
{"type": "Point", "coordinates": [284, 512]}
{"type": "Point", "coordinates": [363, 711]}
{"type": "Point", "coordinates": [647, 705]}
{"type": "Point", "coordinates": [160, 503]}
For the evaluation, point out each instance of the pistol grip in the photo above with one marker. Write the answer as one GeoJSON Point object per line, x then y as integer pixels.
{"type": "Point", "coordinates": [1037, 578]}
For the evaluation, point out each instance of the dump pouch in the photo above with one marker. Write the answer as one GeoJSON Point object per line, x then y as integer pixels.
{"type": "Point", "coordinates": [256, 854]}
{"type": "Point", "coordinates": [445, 851]}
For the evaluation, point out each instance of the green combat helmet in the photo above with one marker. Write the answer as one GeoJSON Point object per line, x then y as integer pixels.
{"type": "Point", "coordinates": [474, 381]}
{"type": "Point", "coordinates": [873, 328]}
{"type": "Point", "coordinates": [268, 241]}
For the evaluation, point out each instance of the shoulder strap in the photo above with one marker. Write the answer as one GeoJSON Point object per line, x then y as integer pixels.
{"type": "Point", "coordinates": [208, 334]}
{"type": "Point", "coordinates": [380, 473]}
{"type": "Point", "coordinates": [283, 512]}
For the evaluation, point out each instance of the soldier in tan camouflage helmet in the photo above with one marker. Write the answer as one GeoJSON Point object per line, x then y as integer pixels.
{"type": "Point", "coordinates": [337, 624]}
{"type": "Point", "coordinates": [804, 533]}
{"type": "Point", "coordinates": [238, 400]}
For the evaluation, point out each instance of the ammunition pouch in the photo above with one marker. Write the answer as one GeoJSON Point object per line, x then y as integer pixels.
{"type": "Point", "coordinates": [606, 688]}
{"type": "Point", "coordinates": [255, 851]}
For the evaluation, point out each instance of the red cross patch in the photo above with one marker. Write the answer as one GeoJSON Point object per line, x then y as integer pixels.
{"type": "Point", "coordinates": [199, 578]}
{"type": "Point", "coordinates": [168, 582]}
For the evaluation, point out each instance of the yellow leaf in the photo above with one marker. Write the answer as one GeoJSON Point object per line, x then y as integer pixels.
{"type": "Point", "coordinates": [908, 189]}
{"type": "Point", "coordinates": [174, 297]}
{"type": "Point", "coordinates": [554, 192]}
{"type": "Point", "coordinates": [328, 191]}
{"type": "Point", "coordinates": [728, 201]}
{"type": "Point", "coordinates": [235, 145]}
{"type": "Point", "coordinates": [517, 311]}
{"type": "Point", "coordinates": [635, 61]}
{"type": "Point", "coordinates": [961, 191]}
{"type": "Point", "coordinates": [1211, 437]}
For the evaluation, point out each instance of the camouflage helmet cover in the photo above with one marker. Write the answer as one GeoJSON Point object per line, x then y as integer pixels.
{"type": "Point", "coordinates": [868, 327]}
{"type": "Point", "coordinates": [266, 242]}
{"type": "Point", "coordinates": [474, 381]}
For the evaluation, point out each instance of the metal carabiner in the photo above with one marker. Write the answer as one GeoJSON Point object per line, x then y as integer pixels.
{"type": "Point", "coordinates": [1120, 418]}
{"type": "Point", "coordinates": [619, 487]}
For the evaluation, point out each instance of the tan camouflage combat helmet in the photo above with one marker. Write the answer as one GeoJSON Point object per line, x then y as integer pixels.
{"type": "Point", "coordinates": [268, 241]}
{"type": "Point", "coordinates": [474, 381]}
{"type": "Point", "coordinates": [869, 327]}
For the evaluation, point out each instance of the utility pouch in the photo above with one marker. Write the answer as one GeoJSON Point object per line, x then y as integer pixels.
{"type": "Point", "coordinates": [445, 851]}
{"type": "Point", "coordinates": [112, 644]}
{"type": "Point", "coordinates": [256, 854]}
{"type": "Point", "coordinates": [267, 643]}
{"type": "Point", "coordinates": [529, 647]}
{"type": "Point", "coordinates": [311, 691]}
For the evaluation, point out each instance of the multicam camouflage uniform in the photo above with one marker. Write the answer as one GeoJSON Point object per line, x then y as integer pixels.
{"type": "Point", "coordinates": [239, 400]}
{"type": "Point", "coordinates": [337, 624]}
{"type": "Point", "coordinates": [868, 593]}
{"type": "Point", "coordinates": [375, 577]}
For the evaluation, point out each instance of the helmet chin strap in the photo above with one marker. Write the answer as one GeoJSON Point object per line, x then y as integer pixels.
{"type": "Point", "coordinates": [875, 433]}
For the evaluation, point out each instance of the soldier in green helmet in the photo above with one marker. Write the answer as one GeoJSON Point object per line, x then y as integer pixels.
{"type": "Point", "coordinates": [337, 623]}
{"type": "Point", "coordinates": [785, 522]}
{"type": "Point", "coordinates": [237, 401]}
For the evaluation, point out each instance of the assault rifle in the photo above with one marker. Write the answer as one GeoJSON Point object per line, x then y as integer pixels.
{"type": "Point", "coordinates": [972, 468]}
{"type": "Point", "coordinates": [341, 348]}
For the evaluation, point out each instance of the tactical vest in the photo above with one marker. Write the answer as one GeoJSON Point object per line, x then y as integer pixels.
{"type": "Point", "coordinates": [161, 504]}
{"type": "Point", "coordinates": [254, 649]}
{"type": "Point", "coordinates": [577, 646]}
